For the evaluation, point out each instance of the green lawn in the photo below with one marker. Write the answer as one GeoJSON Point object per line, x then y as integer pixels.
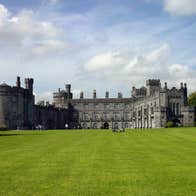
{"type": "Point", "coordinates": [98, 162]}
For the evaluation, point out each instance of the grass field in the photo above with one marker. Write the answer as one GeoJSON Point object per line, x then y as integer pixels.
{"type": "Point", "coordinates": [98, 162]}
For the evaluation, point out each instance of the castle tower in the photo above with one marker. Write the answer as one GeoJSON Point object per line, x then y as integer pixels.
{"type": "Point", "coordinates": [153, 87]}
{"type": "Point", "coordinates": [29, 84]}
{"type": "Point", "coordinates": [68, 91]}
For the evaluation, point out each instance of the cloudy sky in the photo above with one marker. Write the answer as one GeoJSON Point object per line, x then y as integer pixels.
{"type": "Point", "coordinates": [97, 44]}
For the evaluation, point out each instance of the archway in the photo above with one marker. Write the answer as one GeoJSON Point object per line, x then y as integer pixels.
{"type": "Point", "coordinates": [106, 125]}
{"type": "Point", "coordinates": [176, 122]}
{"type": "Point", "coordinates": [50, 124]}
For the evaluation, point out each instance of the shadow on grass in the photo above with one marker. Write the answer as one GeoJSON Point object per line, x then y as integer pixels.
{"type": "Point", "coordinates": [14, 134]}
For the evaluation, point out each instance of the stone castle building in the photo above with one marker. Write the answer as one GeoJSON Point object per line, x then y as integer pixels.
{"type": "Point", "coordinates": [19, 111]}
{"type": "Point", "coordinates": [148, 107]}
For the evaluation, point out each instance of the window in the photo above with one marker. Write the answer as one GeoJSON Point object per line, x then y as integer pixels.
{"type": "Point", "coordinates": [152, 110]}
{"type": "Point", "coordinates": [95, 125]}
{"type": "Point", "coordinates": [145, 111]}
{"type": "Point", "coordinates": [139, 113]}
{"type": "Point", "coordinates": [86, 106]}
{"type": "Point", "coordinates": [126, 116]}
{"type": "Point", "coordinates": [134, 114]}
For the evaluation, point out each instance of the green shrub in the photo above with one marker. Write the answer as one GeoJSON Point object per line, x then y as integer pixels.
{"type": "Point", "coordinates": [170, 124]}
{"type": "Point", "coordinates": [3, 127]}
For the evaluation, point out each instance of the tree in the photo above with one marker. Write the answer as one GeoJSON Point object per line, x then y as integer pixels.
{"type": "Point", "coordinates": [192, 102]}
{"type": "Point", "coordinates": [192, 99]}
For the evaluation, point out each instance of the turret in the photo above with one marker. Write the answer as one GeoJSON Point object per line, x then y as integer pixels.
{"type": "Point", "coordinates": [153, 87]}
{"type": "Point", "coordinates": [29, 84]}
{"type": "Point", "coordinates": [68, 91]}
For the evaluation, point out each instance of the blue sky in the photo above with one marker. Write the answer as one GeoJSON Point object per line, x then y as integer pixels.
{"type": "Point", "coordinates": [95, 44]}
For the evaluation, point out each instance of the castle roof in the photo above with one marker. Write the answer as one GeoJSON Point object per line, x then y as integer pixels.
{"type": "Point", "coordinates": [4, 85]}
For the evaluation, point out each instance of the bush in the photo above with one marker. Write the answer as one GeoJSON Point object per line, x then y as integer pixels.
{"type": "Point", "coordinates": [170, 124]}
{"type": "Point", "coordinates": [3, 128]}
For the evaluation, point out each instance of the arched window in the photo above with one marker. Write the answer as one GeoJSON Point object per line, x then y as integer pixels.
{"type": "Point", "coordinates": [95, 125]}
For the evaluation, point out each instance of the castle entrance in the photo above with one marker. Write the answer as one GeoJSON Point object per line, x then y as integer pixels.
{"type": "Point", "coordinates": [50, 124]}
{"type": "Point", "coordinates": [106, 125]}
{"type": "Point", "coordinates": [176, 122]}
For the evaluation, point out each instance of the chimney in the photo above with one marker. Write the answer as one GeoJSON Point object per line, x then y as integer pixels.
{"type": "Point", "coordinates": [120, 95]}
{"type": "Point", "coordinates": [181, 85]}
{"type": "Point", "coordinates": [26, 83]}
{"type": "Point", "coordinates": [68, 88]}
{"type": "Point", "coordinates": [29, 84]}
{"type": "Point", "coordinates": [185, 86]}
{"type": "Point", "coordinates": [18, 84]}
{"type": "Point", "coordinates": [94, 94]}
{"type": "Point", "coordinates": [82, 95]}
{"type": "Point", "coordinates": [106, 94]}
{"type": "Point", "coordinates": [165, 85]}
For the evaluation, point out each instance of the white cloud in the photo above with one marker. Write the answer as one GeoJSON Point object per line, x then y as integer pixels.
{"type": "Point", "coordinates": [53, 2]}
{"type": "Point", "coordinates": [24, 29]}
{"type": "Point", "coordinates": [113, 54]}
{"type": "Point", "coordinates": [3, 13]}
{"type": "Point", "coordinates": [181, 7]}
{"type": "Point", "coordinates": [153, 64]}
{"type": "Point", "coordinates": [46, 96]}
{"type": "Point", "coordinates": [49, 47]}
{"type": "Point", "coordinates": [105, 60]}
{"type": "Point", "coordinates": [150, 62]}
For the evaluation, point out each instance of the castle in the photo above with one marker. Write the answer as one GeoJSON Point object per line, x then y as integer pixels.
{"type": "Point", "coordinates": [148, 107]}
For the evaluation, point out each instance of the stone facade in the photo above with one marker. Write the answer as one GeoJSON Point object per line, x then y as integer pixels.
{"type": "Point", "coordinates": [148, 107]}
{"type": "Point", "coordinates": [49, 117]}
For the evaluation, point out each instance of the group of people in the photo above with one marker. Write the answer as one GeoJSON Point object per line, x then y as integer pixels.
{"type": "Point", "coordinates": [118, 130]}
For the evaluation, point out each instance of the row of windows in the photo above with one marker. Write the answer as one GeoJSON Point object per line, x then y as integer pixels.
{"type": "Point", "coordinates": [105, 106]}
{"type": "Point", "coordinates": [175, 108]}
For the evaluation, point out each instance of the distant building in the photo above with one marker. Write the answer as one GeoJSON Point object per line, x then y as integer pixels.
{"type": "Point", "coordinates": [148, 107]}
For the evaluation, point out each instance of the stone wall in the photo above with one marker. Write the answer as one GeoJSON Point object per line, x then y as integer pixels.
{"type": "Point", "coordinates": [49, 117]}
